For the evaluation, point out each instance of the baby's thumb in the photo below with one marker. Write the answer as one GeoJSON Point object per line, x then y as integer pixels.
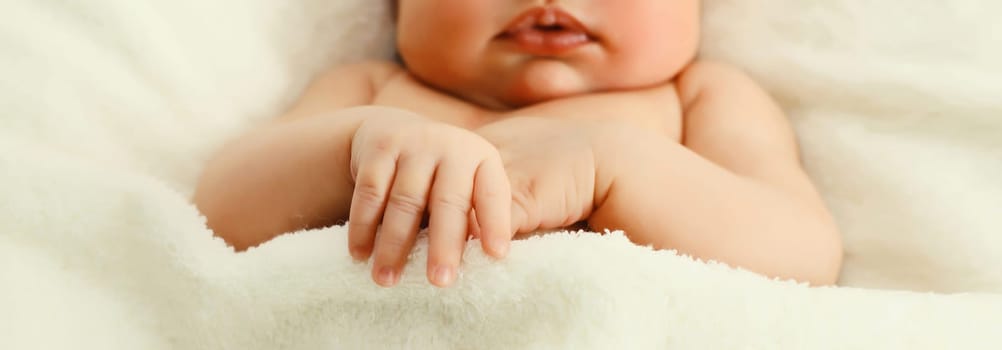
{"type": "Point", "coordinates": [521, 220]}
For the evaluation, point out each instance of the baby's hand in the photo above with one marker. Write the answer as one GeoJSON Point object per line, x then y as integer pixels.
{"type": "Point", "coordinates": [404, 165]}
{"type": "Point", "coordinates": [551, 165]}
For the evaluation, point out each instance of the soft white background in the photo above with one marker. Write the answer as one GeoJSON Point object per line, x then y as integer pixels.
{"type": "Point", "coordinates": [899, 109]}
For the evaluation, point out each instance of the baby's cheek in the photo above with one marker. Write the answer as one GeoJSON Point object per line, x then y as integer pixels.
{"type": "Point", "coordinates": [547, 79]}
{"type": "Point", "coordinates": [654, 45]}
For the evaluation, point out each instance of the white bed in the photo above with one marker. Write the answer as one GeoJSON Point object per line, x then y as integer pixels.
{"type": "Point", "coordinates": [108, 109]}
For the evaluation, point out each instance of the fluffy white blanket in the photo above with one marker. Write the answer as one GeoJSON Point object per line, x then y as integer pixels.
{"type": "Point", "coordinates": [108, 109]}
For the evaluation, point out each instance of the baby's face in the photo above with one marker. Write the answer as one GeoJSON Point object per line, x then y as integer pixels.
{"type": "Point", "coordinates": [511, 53]}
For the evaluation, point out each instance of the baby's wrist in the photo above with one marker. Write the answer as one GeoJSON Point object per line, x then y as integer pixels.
{"type": "Point", "coordinates": [611, 145]}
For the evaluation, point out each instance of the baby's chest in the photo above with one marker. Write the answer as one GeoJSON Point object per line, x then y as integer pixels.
{"type": "Point", "coordinates": [653, 109]}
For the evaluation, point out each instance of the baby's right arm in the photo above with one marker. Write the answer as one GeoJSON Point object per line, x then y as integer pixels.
{"type": "Point", "coordinates": [291, 173]}
{"type": "Point", "coordinates": [333, 158]}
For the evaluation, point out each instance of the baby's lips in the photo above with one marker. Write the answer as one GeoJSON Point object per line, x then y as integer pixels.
{"type": "Point", "coordinates": [546, 31]}
{"type": "Point", "coordinates": [545, 17]}
{"type": "Point", "coordinates": [547, 43]}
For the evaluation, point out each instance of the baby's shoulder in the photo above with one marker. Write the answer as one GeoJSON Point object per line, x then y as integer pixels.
{"type": "Point", "coordinates": [344, 86]}
{"type": "Point", "coordinates": [710, 72]}
{"type": "Point", "coordinates": [710, 77]}
{"type": "Point", "coordinates": [374, 72]}
{"type": "Point", "coordinates": [381, 71]}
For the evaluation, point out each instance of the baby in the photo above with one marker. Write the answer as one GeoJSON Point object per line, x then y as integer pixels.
{"type": "Point", "coordinates": [513, 116]}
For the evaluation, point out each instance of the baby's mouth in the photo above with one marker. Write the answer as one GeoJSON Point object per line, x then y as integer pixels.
{"type": "Point", "coordinates": [546, 31]}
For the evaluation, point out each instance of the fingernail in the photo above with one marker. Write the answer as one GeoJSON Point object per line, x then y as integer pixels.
{"type": "Point", "coordinates": [500, 247]}
{"type": "Point", "coordinates": [358, 254]}
{"type": "Point", "coordinates": [443, 275]}
{"type": "Point", "coordinates": [386, 277]}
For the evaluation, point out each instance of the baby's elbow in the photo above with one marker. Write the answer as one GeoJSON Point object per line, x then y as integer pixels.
{"type": "Point", "coordinates": [238, 242]}
{"type": "Point", "coordinates": [827, 260]}
{"type": "Point", "coordinates": [224, 221]}
{"type": "Point", "coordinates": [222, 228]}
{"type": "Point", "coordinates": [828, 274]}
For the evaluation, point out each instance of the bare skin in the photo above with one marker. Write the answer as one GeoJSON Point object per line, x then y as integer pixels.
{"type": "Point", "coordinates": [702, 161]}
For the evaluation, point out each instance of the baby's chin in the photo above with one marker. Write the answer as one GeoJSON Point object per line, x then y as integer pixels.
{"type": "Point", "coordinates": [543, 81]}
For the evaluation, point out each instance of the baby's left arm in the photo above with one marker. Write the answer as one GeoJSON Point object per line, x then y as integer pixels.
{"type": "Point", "coordinates": [733, 191]}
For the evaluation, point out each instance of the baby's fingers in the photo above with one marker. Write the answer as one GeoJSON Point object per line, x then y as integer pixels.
{"type": "Point", "coordinates": [404, 209]}
{"type": "Point", "coordinates": [450, 206]}
{"type": "Point", "coordinates": [492, 203]}
{"type": "Point", "coordinates": [368, 201]}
